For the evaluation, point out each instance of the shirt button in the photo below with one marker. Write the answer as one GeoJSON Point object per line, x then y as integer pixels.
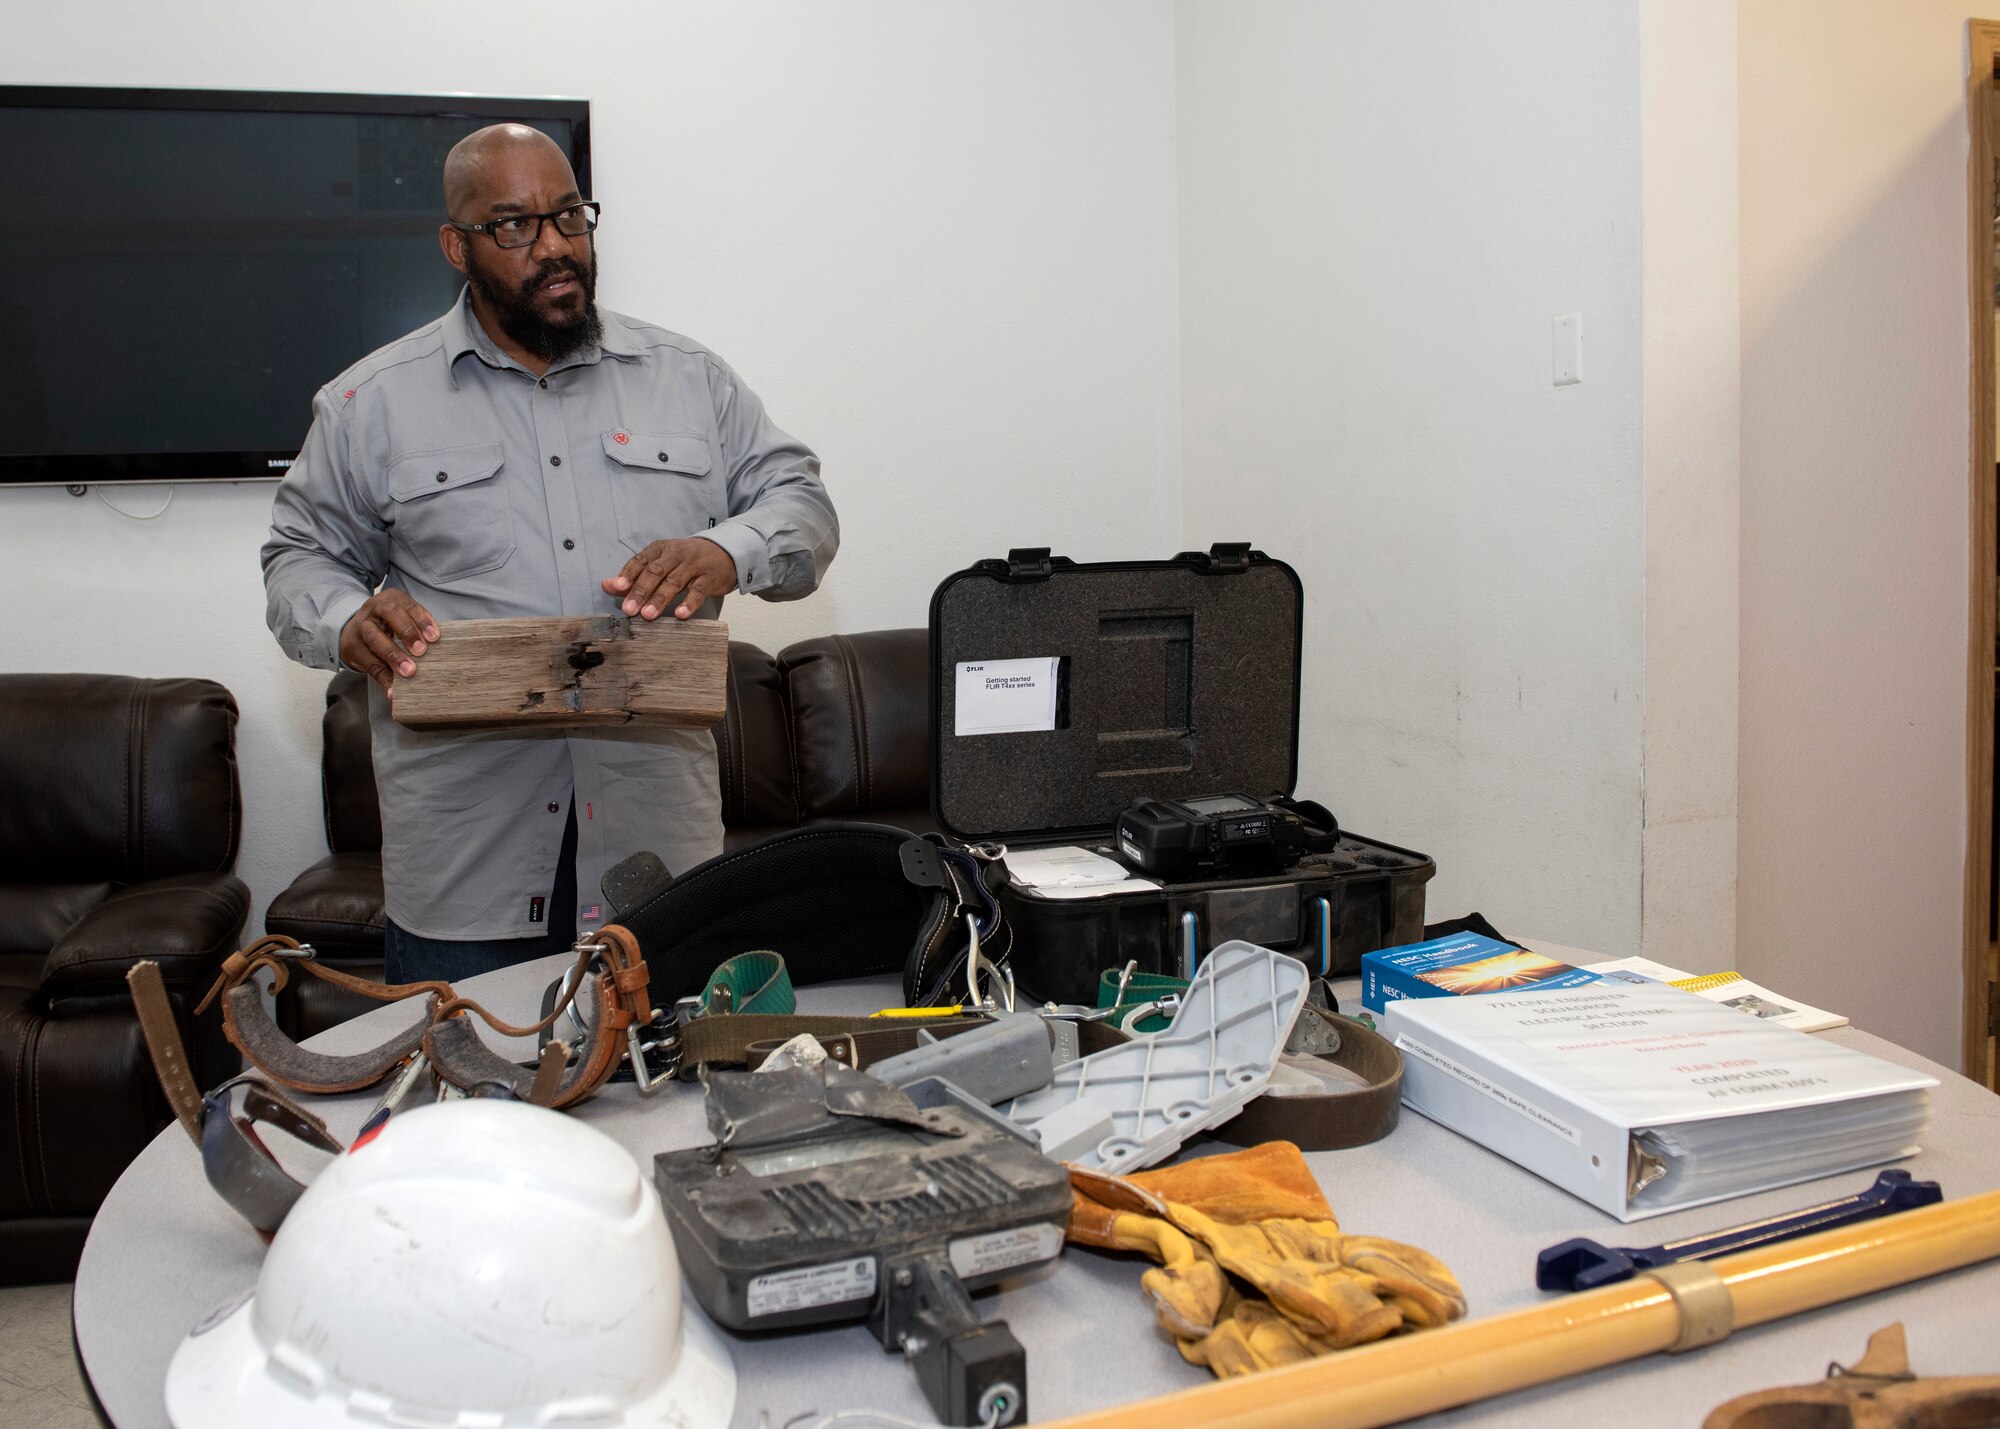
{"type": "Point", "coordinates": [569, 545]}
{"type": "Point", "coordinates": [555, 461]}
{"type": "Point", "coordinates": [663, 456]}
{"type": "Point", "coordinates": [443, 477]}
{"type": "Point", "coordinates": [552, 808]}
{"type": "Point", "coordinates": [545, 384]}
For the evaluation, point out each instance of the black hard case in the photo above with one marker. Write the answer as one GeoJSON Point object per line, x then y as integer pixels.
{"type": "Point", "coordinates": [1180, 679]}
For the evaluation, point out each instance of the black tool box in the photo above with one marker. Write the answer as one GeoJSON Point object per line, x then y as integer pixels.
{"type": "Point", "coordinates": [1173, 679]}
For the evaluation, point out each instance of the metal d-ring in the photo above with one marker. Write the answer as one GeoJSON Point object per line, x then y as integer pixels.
{"type": "Point", "coordinates": [645, 1081]}
{"type": "Point", "coordinates": [1003, 976]}
{"type": "Point", "coordinates": [572, 987]}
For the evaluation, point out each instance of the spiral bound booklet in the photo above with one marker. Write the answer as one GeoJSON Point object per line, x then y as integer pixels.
{"type": "Point", "coordinates": [1731, 989]}
{"type": "Point", "coordinates": [1642, 1098]}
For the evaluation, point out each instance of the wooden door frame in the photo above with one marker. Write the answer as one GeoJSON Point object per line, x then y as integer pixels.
{"type": "Point", "coordinates": [1984, 47]}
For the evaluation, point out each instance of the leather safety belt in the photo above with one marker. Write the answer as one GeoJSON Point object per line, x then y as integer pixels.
{"type": "Point", "coordinates": [626, 1023]}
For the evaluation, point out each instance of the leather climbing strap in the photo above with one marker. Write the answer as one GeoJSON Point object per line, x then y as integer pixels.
{"type": "Point", "coordinates": [623, 1004]}
{"type": "Point", "coordinates": [233, 1157]}
{"type": "Point", "coordinates": [445, 1032]}
{"type": "Point", "coordinates": [1337, 1114]}
{"type": "Point", "coordinates": [247, 1023]}
{"type": "Point", "coordinates": [163, 1043]}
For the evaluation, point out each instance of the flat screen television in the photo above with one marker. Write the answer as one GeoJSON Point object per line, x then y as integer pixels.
{"type": "Point", "coordinates": [186, 268]}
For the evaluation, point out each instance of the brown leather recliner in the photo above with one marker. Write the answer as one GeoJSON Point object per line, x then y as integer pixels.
{"type": "Point", "coordinates": [120, 825]}
{"type": "Point", "coordinates": [832, 728]}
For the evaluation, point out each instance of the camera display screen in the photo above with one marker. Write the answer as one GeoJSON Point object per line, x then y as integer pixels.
{"type": "Point", "coordinates": [1222, 804]}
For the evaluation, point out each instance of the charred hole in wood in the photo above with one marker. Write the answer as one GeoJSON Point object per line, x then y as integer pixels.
{"type": "Point", "coordinates": [583, 657]}
{"type": "Point", "coordinates": [532, 702]}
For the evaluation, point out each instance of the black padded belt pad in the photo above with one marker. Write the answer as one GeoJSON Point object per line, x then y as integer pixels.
{"type": "Point", "coordinates": [832, 899]}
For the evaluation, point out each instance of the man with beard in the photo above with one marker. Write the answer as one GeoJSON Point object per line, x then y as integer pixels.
{"type": "Point", "coordinates": [527, 454]}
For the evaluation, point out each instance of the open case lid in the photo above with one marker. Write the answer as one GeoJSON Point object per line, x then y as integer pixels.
{"type": "Point", "coordinates": [1171, 679]}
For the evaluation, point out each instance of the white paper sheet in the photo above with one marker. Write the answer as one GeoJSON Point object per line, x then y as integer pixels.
{"type": "Point", "coordinates": [1006, 696]}
{"type": "Point", "coordinates": [1067, 872]}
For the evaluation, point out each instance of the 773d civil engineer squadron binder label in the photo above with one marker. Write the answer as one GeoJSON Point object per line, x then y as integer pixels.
{"type": "Point", "coordinates": [1410, 1047]}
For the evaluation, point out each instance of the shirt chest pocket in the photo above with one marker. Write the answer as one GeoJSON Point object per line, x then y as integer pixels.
{"type": "Point", "coordinates": [449, 513]}
{"type": "Point", "coordinates": [662, 485]}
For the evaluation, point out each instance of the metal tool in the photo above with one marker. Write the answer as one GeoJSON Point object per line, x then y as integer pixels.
{"type": "Point", "coordinates": [1586, 1265]}
{"type": "Point", "coordinates": [829, 1195]}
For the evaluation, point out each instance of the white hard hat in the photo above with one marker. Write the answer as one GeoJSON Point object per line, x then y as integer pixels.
{"type": "Point", "coordinates": [479, 1264]}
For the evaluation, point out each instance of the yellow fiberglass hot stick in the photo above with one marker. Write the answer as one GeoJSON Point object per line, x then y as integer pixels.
{"type": "Point", "coordinates": [1400, 1378]}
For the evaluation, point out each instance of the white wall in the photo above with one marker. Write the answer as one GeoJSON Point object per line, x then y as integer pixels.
{"type": "Point", "coordinates": [1015, 270]}
{"type": "Point", "coordinates": [1693, 459]}
{"type": "Point", "coordinates": [1382, 207]}
{"type": "Point", "coordinates": [1856, 427]}
{"type": "Point", "coordinates": [938, 240]}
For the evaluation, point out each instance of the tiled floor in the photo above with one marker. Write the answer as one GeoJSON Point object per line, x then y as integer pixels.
{"type": "Point", "coordinates": [40, 1384]}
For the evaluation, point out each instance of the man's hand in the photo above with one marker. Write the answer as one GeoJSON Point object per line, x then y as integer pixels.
{"type": "Point", "coordinates": [384, 637]}
{"type": "Point", "coordinates": [695, 569]}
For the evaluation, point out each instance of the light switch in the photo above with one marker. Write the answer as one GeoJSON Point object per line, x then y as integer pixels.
{"type": "Point", "coordinates": [1568, 356]}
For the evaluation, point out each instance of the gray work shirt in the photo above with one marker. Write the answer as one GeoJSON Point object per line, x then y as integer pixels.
{"type": "Point", "coordinates": [441, 466]}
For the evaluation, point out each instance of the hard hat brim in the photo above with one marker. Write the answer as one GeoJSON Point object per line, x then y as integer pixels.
{"type": "Point", "coordinates": [219, 1379]}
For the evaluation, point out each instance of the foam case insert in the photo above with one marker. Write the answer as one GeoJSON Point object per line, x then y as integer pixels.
{"type": "Point", "coordinates": [1180, 678]}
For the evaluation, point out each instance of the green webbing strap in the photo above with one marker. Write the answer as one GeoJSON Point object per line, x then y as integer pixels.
{"type": "Point", "coordinates": [750, 983]}
{"type": "Point", "coordinates": [1140, 988]}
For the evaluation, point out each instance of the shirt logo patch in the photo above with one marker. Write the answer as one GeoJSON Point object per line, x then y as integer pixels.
{"type": "Point", "coordinates": [349, 393]}
{"type": "Point", "coordinates": [619, 437]}
{"type": "Point", "coordinates": [534, 910]}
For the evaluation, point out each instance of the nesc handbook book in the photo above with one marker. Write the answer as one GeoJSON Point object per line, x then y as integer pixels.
{"type": "Point", "coordinates": [1646, 1099]}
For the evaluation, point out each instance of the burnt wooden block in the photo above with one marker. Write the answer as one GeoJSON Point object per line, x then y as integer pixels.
{"type": "Point", "coordinates": [567, 671]}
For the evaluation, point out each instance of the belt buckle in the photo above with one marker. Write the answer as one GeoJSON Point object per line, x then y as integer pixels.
{"type": "Point", "coordinates": [655, 1049]}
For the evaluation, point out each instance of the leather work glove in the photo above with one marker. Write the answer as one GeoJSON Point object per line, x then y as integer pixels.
{"type": "Point", "coordinates": [1259, 1215]}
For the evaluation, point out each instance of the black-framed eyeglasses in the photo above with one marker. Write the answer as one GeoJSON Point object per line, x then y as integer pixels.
{"type": "Point", "coordinates": [524, 230]}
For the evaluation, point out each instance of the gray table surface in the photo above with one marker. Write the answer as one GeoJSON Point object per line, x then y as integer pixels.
{"type": "Point", "coordinates": [165, 1250]}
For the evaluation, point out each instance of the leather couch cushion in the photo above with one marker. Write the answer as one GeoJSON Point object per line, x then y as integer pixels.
{"type": "Point", "coordinates": [78, 1100]}
{"type": "Point", "coordinates": [116, 779]}
{"type": "Point", "coordinates": [753, 745]}
{"type": "Point", "coordinates": [34, 915]}
{"type": "Point", "coordinates": [861, 721]}
{"type": "Point", "coordinates": [20, 972]}
{"type": "Point", "coordinates": [336, 905]}
{"type": "Point", "coordinates": [347, 767]}
{"type": "Point", "coordinates": [187, 925]}
{"type": "Point", "coordinates": [41, 1250]}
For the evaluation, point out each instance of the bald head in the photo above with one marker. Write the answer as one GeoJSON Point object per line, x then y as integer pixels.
{"type": "Point", "coordinates": [489, 162]}
{"type": "Point", "coordinates": [520, 232]}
